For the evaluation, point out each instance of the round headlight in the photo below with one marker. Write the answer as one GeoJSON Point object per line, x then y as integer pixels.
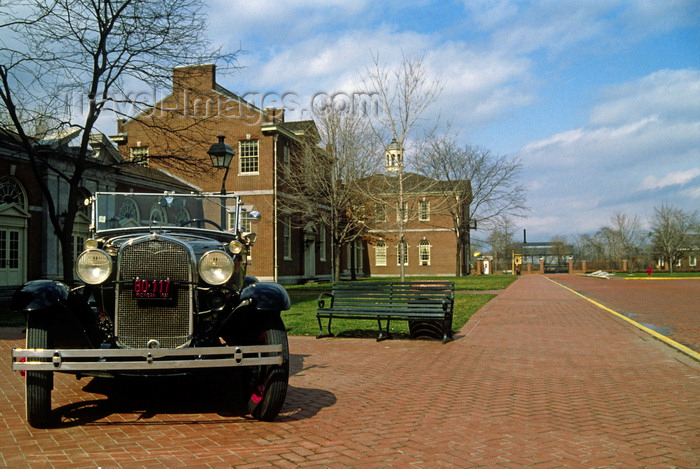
{"type": "Point", "coordinates": [235, 246]}
{"type": "Point", "coordinates": [93, 266]}
{"type": "Point", "coordinates": [215, 267]}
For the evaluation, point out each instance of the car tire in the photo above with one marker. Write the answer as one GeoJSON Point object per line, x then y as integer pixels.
{"type": "Point", "coordinates": [38, 383]}
{"type": "Point", "coordinates": [267, 387]}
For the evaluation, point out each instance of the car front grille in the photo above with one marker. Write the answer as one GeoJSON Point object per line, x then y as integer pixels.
{"type": "Point", "coordinates": [139, 323]}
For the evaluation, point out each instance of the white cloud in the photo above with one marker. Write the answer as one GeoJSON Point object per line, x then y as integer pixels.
{"type": "Point", "coordinates": [678, 178]}
{"type": "Point", "coordinates": [629, 161]}
{"type": "Point", "coordinates": [692, 193]}
{"type": "Point", "coordinates": [673, 94]}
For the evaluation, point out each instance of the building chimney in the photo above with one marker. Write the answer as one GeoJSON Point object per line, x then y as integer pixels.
{"type": "Point", "coordinates": [196, 78]}
{"type": "Point", "coordinates": [524, 236]}
{"type": "Point", "coordinates": [275, 113]}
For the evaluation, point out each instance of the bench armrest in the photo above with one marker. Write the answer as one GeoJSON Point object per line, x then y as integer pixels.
{"type": "Point", "coordinates": [322, 300]}
{"type": "Point", "coordinates": [447, 302]}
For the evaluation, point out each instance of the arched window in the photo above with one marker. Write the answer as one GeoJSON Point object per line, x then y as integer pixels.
{"type": "Point", "coordinates": [129, 212]}
{"type": "Point", "coordinates": [424, 252]}
{"type": "Point", "coordinates": [13, 232]}
{"type": "Point", "coordinates": [158, 215]}
{"type": "Point", "coordinates": [11, 192]}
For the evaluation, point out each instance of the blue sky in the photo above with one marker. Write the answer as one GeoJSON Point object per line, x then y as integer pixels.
{"type": "Point", "coordinates": [599, 99]}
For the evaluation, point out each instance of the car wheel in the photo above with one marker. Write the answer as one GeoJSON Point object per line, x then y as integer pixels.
{"type": "Point", "coordinates": [268, 384]}
{"type": "Point", "coordinates": [38, 383]}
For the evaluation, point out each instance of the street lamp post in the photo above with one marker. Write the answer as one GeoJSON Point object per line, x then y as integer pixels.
{"type": "Point", "coordinates": [221, 155]}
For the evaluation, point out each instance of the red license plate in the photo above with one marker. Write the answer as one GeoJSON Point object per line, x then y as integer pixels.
{"type": "Point", "coordinates": [153, 289]}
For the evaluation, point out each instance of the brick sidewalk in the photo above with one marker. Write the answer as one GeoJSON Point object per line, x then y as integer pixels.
{"type": "Point", "coordinates": [539, 376]}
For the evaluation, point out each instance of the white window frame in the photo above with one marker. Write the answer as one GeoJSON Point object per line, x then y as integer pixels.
{"type": "Point", "coordinates": [424, 252]}
{"type": "Point", "coordinates": [287, 237]}
{"type": "Point", "coordinates": [322, 243]}
{"type": "Point", "coordinates": [403, 212]}
{"type": "Point", "coordinates": [380, 254]}
{"type": "Point", "coordinates": [424, 210]}
{"type": "Point", "coordinates": [10, 249]}
{"type": "Point", "coordinates": [692, 260]}
{"type": "Point", "coordinates": [249, 156]}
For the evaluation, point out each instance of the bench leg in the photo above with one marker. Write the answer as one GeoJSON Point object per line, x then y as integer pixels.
{"type": "Point", "coordinates": [320, 329]}
{"type": "Point", "coordinates": [383, 334]}
{"type": "Point", "coordinates": [447, 331]}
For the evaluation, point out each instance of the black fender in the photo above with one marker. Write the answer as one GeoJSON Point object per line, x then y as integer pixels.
{"type": "Point", "coordinates": [267, 297]}
{"type": "Point", "coordinates": [66, 310]}
{"type": "Point", "coordinates": [38, 295]}
{"type": "Point", "coordinates": [249, 280]}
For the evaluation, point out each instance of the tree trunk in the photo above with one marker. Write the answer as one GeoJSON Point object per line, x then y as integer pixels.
{"type": "Point", "coordinates": [336, 264]}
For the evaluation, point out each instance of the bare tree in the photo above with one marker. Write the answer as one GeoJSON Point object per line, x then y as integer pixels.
{"type": "Point", "coordinates": [560, 249]}
{"type": "Point", "coordinates": [405, 93]}
{"type": "Point", "coordinates": [672, 230]}
{"type": "Point", "coordinates": [628, 236]}
{"type": "Point", "coordinates": [621, 240]}
{"type": "Point", "coordinates": [53, 50]}
{"type": "Point", "coordinates": [502, 238]}
{"type": "Point", "coordinates": [324, 183]}
{"type": "Point", "coordinates": [481, 188]}
{"type": "Point", "coordinates": [600, 245]}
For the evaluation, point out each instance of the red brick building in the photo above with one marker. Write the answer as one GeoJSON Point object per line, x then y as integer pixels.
{"type": "Point", "coordinates": [198, 110]}
{"type": "Point", "coordinates": [429, 242]}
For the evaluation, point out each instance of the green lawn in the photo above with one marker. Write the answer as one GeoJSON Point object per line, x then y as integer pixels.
{"type": "Point", "coordinates": [658, 274]}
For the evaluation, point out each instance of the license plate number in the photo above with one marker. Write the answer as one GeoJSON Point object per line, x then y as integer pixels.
{"type": "Point", "coordinates": [153, 289]}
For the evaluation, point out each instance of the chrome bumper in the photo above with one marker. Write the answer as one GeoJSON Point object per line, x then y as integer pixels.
{"type": "Point", "coordinates": [68, 360]}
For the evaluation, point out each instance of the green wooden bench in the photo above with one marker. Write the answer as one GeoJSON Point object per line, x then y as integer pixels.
{"type": "Point", "coordinates": [426, 305]}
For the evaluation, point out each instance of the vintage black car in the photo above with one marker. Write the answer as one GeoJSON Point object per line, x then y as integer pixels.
{"type": "Point", "coordinates": [164, 292]}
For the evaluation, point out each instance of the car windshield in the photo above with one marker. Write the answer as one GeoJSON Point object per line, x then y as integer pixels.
{"type": "Point", "coordinates": [115, 210]}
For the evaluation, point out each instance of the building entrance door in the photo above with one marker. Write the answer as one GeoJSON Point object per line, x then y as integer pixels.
{"type": "Point", "coordinates": [11, 259]}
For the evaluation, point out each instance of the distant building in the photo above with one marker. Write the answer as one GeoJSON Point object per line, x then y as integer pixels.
{"type": "Point", "coordinates": [429, 243]}
{"type": "Point", "coordinates": [554, 256]}
{"type": "Point", "coordinates": [412, 225]}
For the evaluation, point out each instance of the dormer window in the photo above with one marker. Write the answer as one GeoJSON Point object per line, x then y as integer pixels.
{"type": "Point", "coordinates": [139, 155]}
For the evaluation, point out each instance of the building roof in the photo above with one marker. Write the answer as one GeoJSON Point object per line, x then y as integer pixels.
{"type": "Point", "coordinates": [157, 177]}
{"type": "Point", "coordinates": [412, 182]}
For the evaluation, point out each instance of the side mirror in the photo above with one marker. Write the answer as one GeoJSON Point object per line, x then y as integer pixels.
{"type": "Point", "coordinates": [254, 216]}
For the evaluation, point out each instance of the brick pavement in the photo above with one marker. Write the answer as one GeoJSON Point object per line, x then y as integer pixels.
{"type": "Point", "coordinates": [539, 376]}
{"type": "Point", "coordinates": [668, 306]}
